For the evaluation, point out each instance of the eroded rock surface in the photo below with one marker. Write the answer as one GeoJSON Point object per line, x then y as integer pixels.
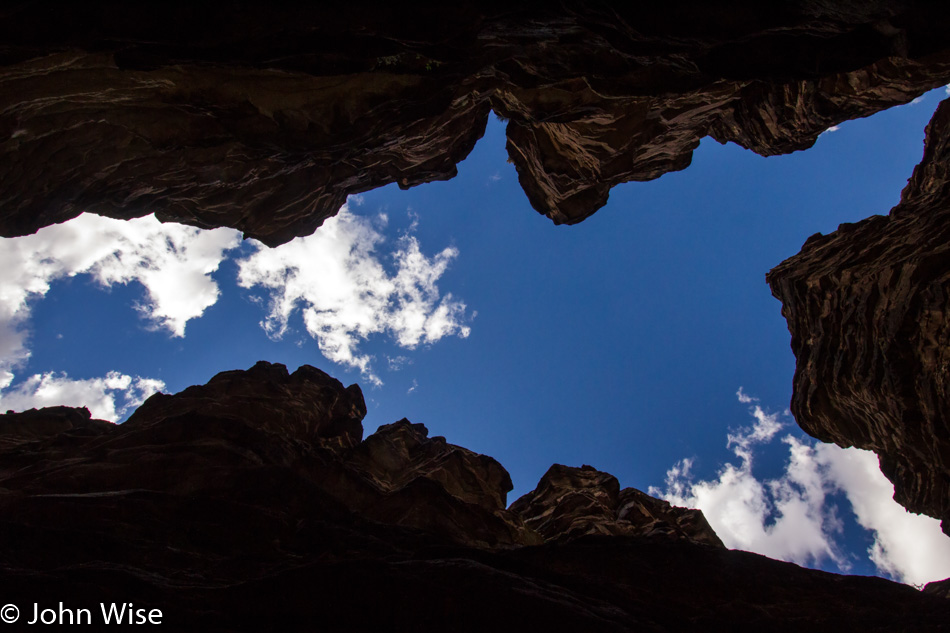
{"type": "Point", "coordinates": [572, 502]}
{"type": "Point", "coordinates": [868, 307]}
{"type": "Point", "coordinates": [265, 118]}
{"type": "Point", "coordinates": [250, 503]}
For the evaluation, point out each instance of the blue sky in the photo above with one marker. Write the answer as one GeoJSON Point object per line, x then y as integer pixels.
{"type": "Point", "coordinates": [621, 342]}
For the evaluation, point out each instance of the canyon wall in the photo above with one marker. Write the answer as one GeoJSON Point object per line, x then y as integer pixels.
{"type": "Point", "coordinates": [254, 502]}
{"type": "Point", "coordinates": [868, 307]}
{"type": "Point", "coordinates": [266, 118]}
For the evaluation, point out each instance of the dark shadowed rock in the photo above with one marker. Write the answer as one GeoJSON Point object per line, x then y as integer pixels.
{"type": "Point", "coordinates": [249, 503]}
{"type": "Point", "coordinates": [49, 434]}
{"type": "Point", "coordinates": [868, 307]}
{"type": "Point", "coordinates": [939, 588]}
{"type": "Point", "coordinates": [270, 429]}
{"type": "Point", "coordinates": [307, 406]}
{"type": "Point", "coordinates": [400, 476]}
{"type": "Point", "coordinates": [572, 502]}
{"type": "Point", "coordinates": [39, 424]}
{"type": "Point", "coordinates": [264, 118]}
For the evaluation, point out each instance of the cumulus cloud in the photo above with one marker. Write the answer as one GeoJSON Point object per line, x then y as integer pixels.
{"type": "Point", "coordinates": [781, 518]}
{"type": "Point", "coordinates": [337, 281]}
{"type": "Point", "coordinates": [107, 398]}
{"type": "Point", "coordinates": [173, 262]}
{"type": "Point", "coordinates": [908, 547]}
{"type": "Point", "coordinates": [792, 516]}
{"type": "Point", "coordinates": [343, 287]}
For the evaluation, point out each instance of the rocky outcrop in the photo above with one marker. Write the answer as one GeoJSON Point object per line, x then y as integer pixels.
{"type": "Point", "coordinates": [251, 503]}
{"type": "Point", "coordinates": [306, 406]}
{"type": "Point", "coordinates": [276, 433]}
{"type": "Point", "coordinates": [34, 425]}
{"type": "Point", "coordinates": [265, 118]}
{"type": "Point", "coordinates": [868, 307]}
{"type": "Point", "coordinates": [939, 588]}
{"type": "Point", "coordinates": [572, 502]}
{"type": "Point", "coordinates": [400, 476]}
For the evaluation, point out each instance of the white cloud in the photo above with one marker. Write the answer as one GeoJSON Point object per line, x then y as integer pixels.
{"type": "Point", "coordinates": [908, 547]}
{"type": "Point", "coordinates": [744, 398]}
{"type": "Point", "coordinates": [765, 427]}
{"type": "Point", "coordinates": [792, 518]}
{"type": "Point", "coordinates": [946, 89]}
{"type": "Point", "coordinates": [336, 280]}
{"type": "Point", "coordinates": [396, 363]}
{"type": "Point", "coordinates": [781, 518]}
{"type": "Point", "coordinates": [107, 398]}
{"type": "Point", "coordinates": [173, 262]}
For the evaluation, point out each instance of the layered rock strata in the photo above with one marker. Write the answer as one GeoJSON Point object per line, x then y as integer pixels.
{"type": "Point", "coordinates": [266, 118]}
{"type": "Point", "coordinates": [251, 502]}
{"type": "Point", "coordinates": [572, 502]}
{"type": "Point", "coordinates": [868, 307]}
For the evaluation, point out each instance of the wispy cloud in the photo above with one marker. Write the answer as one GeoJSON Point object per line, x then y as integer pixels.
{"type": "Point", "coordinates": [396, 363]}
{"type": "Point", "coordinates": [337, 281]}
{"type": "Point", "coordinates": [745, 398]}
{"type": "Point", "coordinates": [793, 518]}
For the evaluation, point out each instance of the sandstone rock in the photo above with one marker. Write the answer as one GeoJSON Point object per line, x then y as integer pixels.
{"type": "Point", "coordinates": [400, 476]}
{"type": "Point", "coordinates": [249, 503]}
{"type": "Point", "coordinates": [572, 502]}
{"type": "Point", "coordinates": [39, 424]}
{"type": "Point", "coordinates": [867, 307]}
{"type": "Point", "coordinates": [266, 118]}
{"type": "Point", "coordinates": [306, 406]}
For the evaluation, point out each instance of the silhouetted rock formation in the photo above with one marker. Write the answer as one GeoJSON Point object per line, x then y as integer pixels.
{"type": "Point", "coordinates": [264, 118]}
{"type": "Point", "coordinates": [868, 307]}
{"type": "Point", "coordinates": [939, 588]}
{"type": "Point", "coordinates": [250, 502]}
